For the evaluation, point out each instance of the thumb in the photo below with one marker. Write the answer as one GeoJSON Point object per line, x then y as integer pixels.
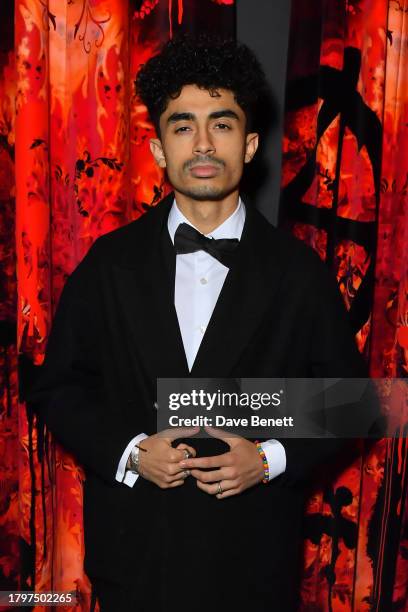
{"type": "Point", "coordinates": [188, 448]}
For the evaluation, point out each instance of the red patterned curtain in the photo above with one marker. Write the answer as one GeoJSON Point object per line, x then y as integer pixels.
{"type": "Point", "coordinates": [344, 192]}
{"type": "Point", "coordinates": [9, 445]}
{"type": "Point", "coordinates": [74, 164]}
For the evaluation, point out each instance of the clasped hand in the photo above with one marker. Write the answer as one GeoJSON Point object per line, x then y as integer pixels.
{"type": "Point", "coordinates": [233, 472]}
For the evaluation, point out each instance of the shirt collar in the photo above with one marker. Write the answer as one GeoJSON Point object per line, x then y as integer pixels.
{"type": "Point", "coordinates": [230, 228]}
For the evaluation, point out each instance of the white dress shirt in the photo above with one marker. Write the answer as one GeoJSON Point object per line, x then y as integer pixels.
{"type": "Point", "coordinates": [198, 283]}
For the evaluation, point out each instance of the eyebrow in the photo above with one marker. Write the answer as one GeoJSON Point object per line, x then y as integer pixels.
{"type": "Point", "coordinates": [191, 117]}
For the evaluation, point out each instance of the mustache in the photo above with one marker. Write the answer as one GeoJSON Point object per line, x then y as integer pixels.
{"type": "Point", "coordinates": [203, 160]}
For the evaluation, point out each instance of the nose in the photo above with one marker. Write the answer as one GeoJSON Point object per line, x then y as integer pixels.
{"type": "Point", "coordinates": [203, 144]}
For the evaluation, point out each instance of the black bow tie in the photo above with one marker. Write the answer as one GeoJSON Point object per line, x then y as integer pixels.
{"type": "Point", "coordinates": [188, 240]}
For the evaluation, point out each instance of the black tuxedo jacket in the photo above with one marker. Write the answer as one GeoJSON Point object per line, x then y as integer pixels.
{"type": "Point", "coordinates": [115, 332]}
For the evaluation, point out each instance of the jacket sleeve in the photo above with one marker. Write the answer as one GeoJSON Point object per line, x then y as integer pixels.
{"type": "Point", "coordinates": [333, 354]}
{"type": "Point", "coordinates": [69, 393]}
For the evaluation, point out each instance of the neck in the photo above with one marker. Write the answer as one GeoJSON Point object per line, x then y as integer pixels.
{"type": "Point", "coordinates": [208, 215]}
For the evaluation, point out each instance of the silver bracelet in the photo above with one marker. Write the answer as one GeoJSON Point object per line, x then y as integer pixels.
{"type": "Point", "coordinates": [133, 461]}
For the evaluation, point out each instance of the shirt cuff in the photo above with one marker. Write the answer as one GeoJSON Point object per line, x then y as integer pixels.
{"type": "Point", "coordinates": [123, 475]}
{"type": "Point", "coordinates": [276, 457]}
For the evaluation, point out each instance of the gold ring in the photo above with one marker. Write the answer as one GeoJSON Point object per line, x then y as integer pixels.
{"type": "Point", "coordinates": [220, 491]}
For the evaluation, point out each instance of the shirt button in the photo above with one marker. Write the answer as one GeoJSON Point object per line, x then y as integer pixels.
{"type": "Point", "coordinates": [202, 329]}
{"type": "Point", "coordinates": [203, 281]}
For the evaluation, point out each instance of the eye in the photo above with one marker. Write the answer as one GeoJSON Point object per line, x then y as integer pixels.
{"type": "Point", "coordinates": [181, 129]}
{"type": "Point", "coordinates": [222, 126]}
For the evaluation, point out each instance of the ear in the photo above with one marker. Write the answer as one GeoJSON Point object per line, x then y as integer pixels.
{"type": "Point", "coordinates": [252, 141]}
{"type": "Point", "coordinates": [157, 152]}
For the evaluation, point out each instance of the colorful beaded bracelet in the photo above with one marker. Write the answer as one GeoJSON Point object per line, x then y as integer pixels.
{"type": "Point", "coordinates": [265, 479]}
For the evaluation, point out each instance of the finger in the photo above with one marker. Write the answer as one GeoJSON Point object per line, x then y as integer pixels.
{"type": "Point", "coordinates": [228, 493]}
{"type": "Point", "coordinates": [173, 471]}
{"type": "Point", "coordinates": [176, 483]}
{"type": "Point", "coordinates": [176, 455]}
{"type": "Point", "coordinates": [207, 462]}
{"type": "Point", "coordinates": [208, 477]}
{"type": "Point", "coordinates": [213, 488]}
{"type": "Point", "coordinates": [207, 488]}
{"type": "Point", "coordinates": [178, 432]}
{"type": "Point", "coordinates": [228, 437]}
{"type": "Point", "coordinates": [186, 447]}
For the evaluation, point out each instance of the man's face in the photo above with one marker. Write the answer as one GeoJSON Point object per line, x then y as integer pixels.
{"type": "Point", "coordinates": [204, 143]}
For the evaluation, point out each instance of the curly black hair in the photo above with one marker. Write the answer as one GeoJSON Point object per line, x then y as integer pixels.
{"type": "Point", "coordinates": [208, 62]}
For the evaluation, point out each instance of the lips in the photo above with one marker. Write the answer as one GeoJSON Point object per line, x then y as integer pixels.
{"type": "Point", "coordinates": [204, 171]}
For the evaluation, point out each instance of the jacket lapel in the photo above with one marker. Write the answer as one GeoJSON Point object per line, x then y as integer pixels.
{"type": "Point", "coordinates": [145, 274]}
{"type": "Point", "coordinates": [244, 300]}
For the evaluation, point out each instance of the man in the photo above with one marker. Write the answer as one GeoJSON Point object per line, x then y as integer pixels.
{"type": "Point", "coordinates": [189, 523]}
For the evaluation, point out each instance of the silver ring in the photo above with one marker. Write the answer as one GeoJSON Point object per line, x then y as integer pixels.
{"type": "Point", "coordinates": [187, 454]}
{"type": "Point", "coordinates": [186, 473]}
{"type": "Point", "coordinates": [220, 491]}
